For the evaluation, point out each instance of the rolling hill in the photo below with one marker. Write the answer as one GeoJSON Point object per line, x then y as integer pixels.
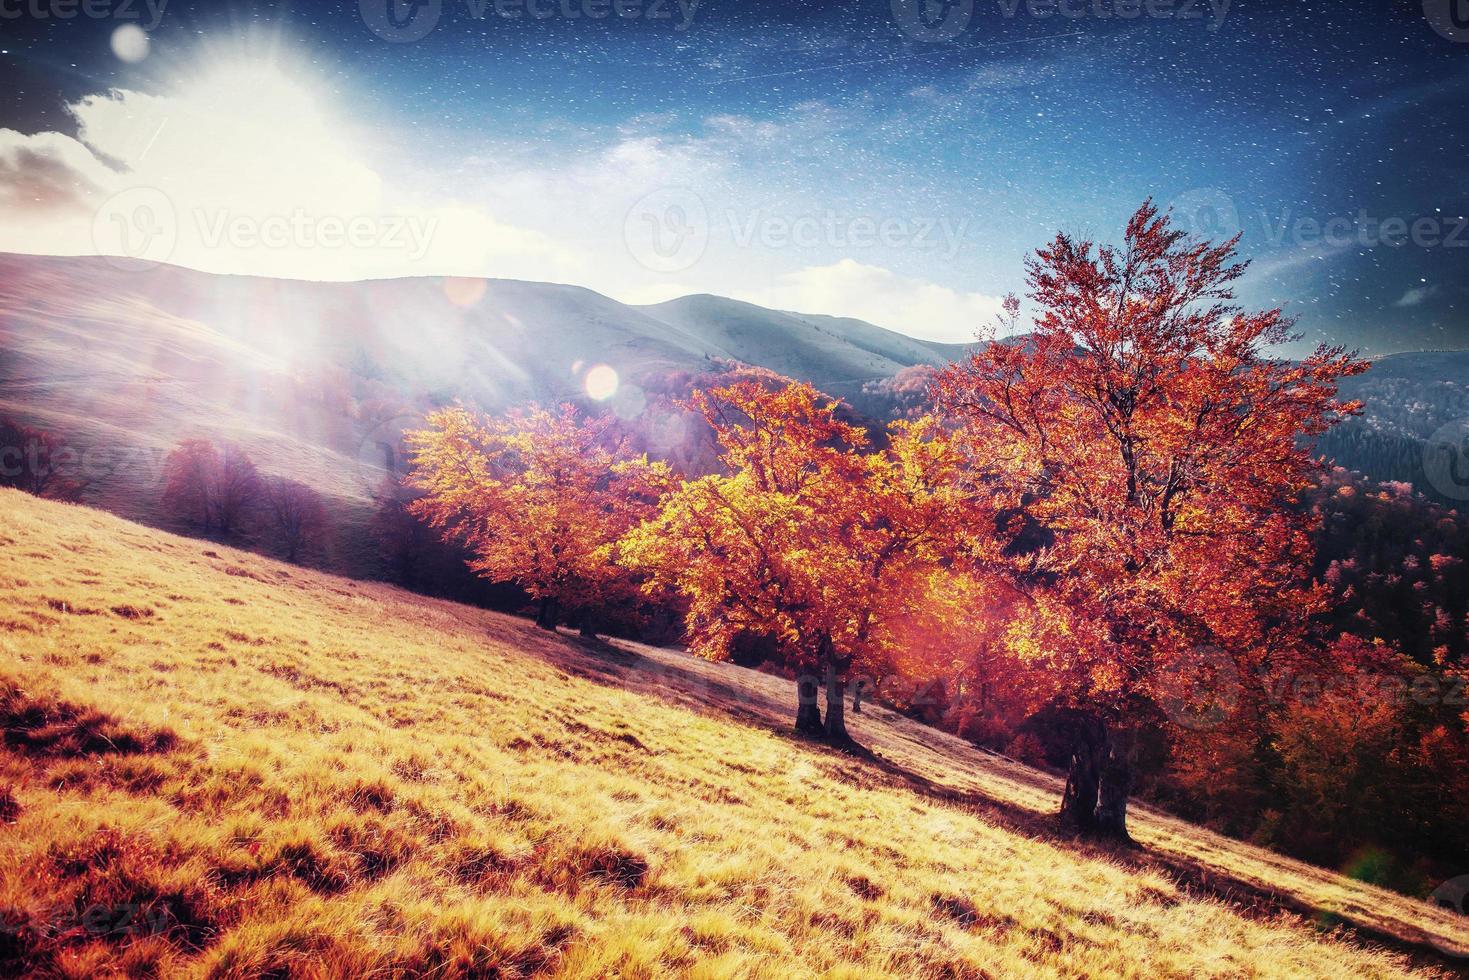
{"type": "Point", "coordinates": [220, 765]}
{"type": "Point", "coordinates": [1414, 425]}
{"type": "Point", "coordinates": [837, 354]}
{"type": "Point", "coordinates": [315, 379]}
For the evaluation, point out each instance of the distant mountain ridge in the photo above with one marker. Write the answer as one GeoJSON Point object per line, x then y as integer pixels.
{"type": "Point", "coordinates": [832, 352]}
{"type": "Point", "coordinates": [315, 379]}
{"type": "Point", "coordinates": [498, 340]}
{"type": "Point", "coordinates": [1414, 426]}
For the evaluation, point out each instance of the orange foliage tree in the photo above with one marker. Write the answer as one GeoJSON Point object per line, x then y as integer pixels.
{"type": "Point", "coordinates": [1153, 452]}
{"type": "Point", "coordinates": [805, 537]}
{"type": "Point", "coordinates": [539, 498]}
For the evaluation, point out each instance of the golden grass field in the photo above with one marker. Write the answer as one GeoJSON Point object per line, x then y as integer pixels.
{"type": "Point", "coordinates": [220, 765]}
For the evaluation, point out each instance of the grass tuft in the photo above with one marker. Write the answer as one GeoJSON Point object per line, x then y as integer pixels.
{"type": "Point", "coordinates": [41, 724]}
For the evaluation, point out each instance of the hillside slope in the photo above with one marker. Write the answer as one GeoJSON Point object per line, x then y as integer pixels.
{"type": "Point", "coordinates": [222, 765]}
{"type": "Point", "coordinates": [314, 379]}
{"type": "Point", "coordinates": [837, 354]}
{"type": "Point", "coordinates": [1413, 425]}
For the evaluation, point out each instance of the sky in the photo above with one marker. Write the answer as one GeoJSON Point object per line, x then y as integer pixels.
{"type": "Point", "coordinates": [892, 160]}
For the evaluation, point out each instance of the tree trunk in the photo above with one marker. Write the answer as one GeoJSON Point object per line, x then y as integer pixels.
{"type": "Point", "coordinates": [588, 626]}
{"type": "Point", "coordinates": [1116, 772]}
{"type": "Point", "coordinates": [857, 696]}
{"type": "Point", "coordinates": [1083, 778]}
{"type": "Point", "coordinates": [808, 712]}
{"type": "Point", "coordinates": [547, 615]}
{"type": "Point", "coordinates": [836, 715]}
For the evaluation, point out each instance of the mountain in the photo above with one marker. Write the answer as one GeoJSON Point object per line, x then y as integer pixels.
{"type": "Point", "coordinates": [838, 354]}
{"type": "Point", "coordinates": [222, 765]}
{"type": "Point", "coordinates": [1414, 426]}
{"type": "Point", "coordinates": [316, 379]}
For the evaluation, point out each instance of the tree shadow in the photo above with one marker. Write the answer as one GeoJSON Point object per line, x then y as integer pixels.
{"type": "Point", "coordinates": [767, 701]}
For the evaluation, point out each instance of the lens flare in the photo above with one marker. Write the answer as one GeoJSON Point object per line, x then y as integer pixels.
{"type": "Point", "coordinates": [464, 292]}
{"type": "Point", "coordinates": [601, 383]}
{"type": "Point", "coordinates": [130, 43]}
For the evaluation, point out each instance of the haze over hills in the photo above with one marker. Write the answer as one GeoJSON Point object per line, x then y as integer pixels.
{"type": "Point", "coordinates": [315, 379]}
{"type": "Point", "coordinates": [497, 340]}
{"type": "Point", "coordinates": [837, 354]}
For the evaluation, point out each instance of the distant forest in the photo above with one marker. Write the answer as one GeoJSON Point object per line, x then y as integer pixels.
{"type": "Point", "coordinates": [1413, 428]}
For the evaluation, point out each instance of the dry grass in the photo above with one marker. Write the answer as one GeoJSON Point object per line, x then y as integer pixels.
{"type": "Point", "coordinates": [221, 765]}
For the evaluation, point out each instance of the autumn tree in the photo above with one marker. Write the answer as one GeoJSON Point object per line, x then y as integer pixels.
{"type": "Point", "coordinates": [804, 537]}
{"type": "Point", "coordinates": [1155, 453]}
{"type": "Point", "coordinates": [954, 643]}
{"type": "Point", "coordinates": [213, 488]}
{"type": "Point", "coordinates": [539, 498]}
{"type": "Point", "coordinates": [297, 515]}
{"type": "Point", "coordinates": [38, 462]}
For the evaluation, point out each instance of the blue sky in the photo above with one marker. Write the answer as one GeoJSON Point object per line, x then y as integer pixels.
{"type": "Point", "coordinates": [830, 158]}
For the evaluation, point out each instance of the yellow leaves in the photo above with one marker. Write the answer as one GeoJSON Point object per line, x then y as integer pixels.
{"type": "Point", "coordinates": [540, 497]}
{"type": "Point", "coordinates": [807, 536]}
{"type": "Point", "coordinates": [1025, 646]}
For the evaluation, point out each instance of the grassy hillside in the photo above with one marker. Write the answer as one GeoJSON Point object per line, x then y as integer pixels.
{"type": "Point", "coordinates": [221, 765]}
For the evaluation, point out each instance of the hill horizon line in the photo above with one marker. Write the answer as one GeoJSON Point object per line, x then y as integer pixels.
{"type": "Point", "coordinates": [144, 264]}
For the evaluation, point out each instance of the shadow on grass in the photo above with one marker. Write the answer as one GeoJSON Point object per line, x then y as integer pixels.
{"type": "Point", "coordinates": [767, 701]}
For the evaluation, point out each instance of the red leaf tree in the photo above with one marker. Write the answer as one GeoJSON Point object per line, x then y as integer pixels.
{"type": "Point", "coordinates": [213, 488]}
{"type": "Point", "coordinates": [38, 462]}
{"type": "Point", "coordinates": [1154, 455]}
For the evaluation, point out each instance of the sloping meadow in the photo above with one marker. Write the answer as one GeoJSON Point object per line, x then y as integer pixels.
{"type": "Point", "coordinates": [217, 764]}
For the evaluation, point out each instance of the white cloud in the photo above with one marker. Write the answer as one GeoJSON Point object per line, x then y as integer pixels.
{"type": "Point", "coordinates": [867, 292]}
{"type": "Point", "coordinates": [47, 173]}
{"type": "Point", "coordinates": [241, 171]}
{"type": "Point", "coordinates": [1415, 296]}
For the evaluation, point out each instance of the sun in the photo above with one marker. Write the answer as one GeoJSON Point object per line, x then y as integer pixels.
{"type": "Point", "coordinates": [249, 153]}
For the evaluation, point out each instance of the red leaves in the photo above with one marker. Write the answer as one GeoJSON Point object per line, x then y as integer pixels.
{"type": "Point", "coordinates": [1143, 427]}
